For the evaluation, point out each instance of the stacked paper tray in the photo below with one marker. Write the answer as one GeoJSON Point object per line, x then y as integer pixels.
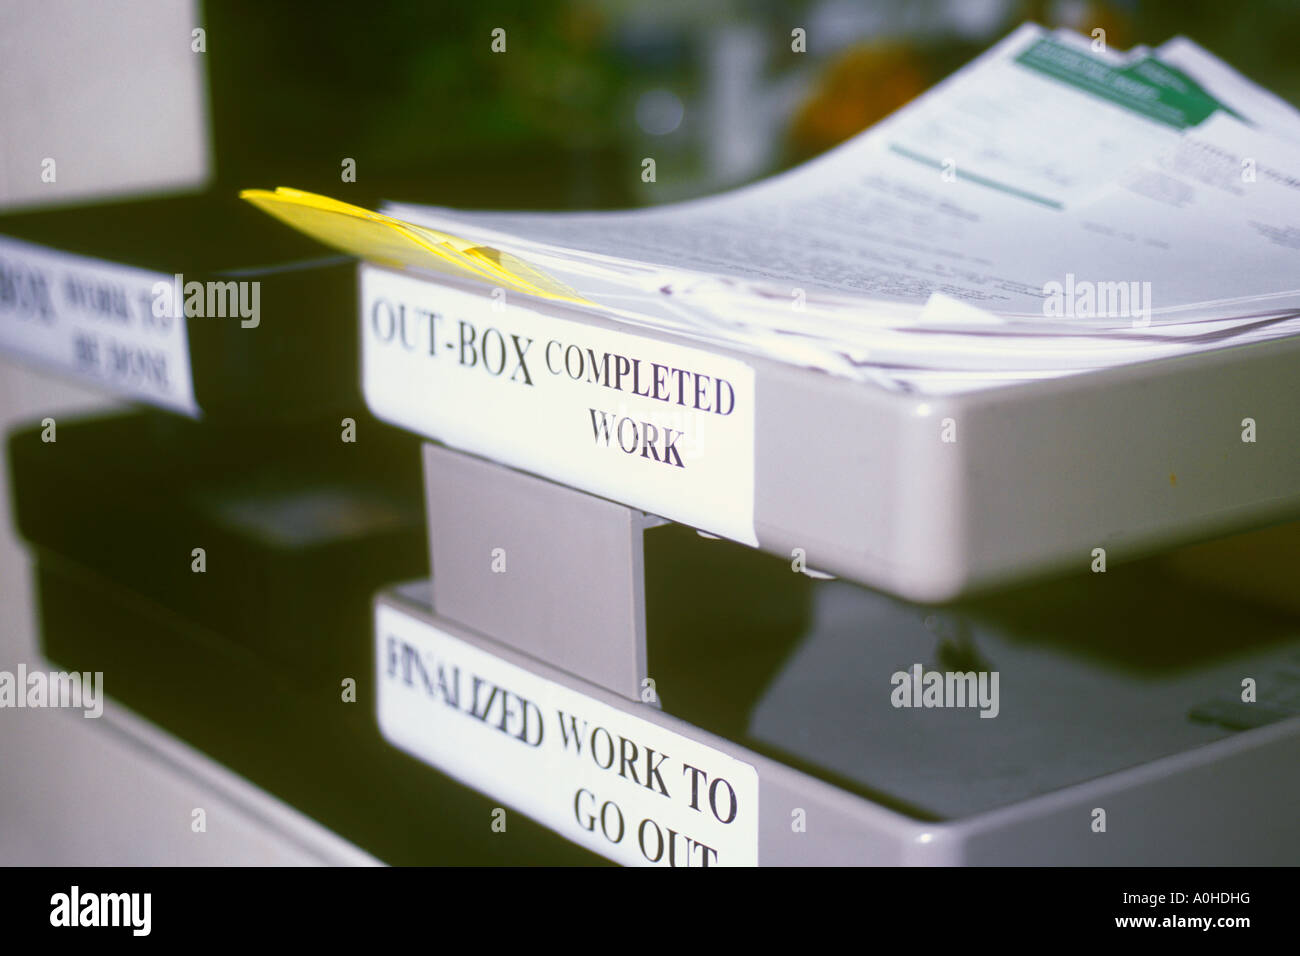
{"type": "Point", "coordinates": [1041, 318]}
{"type": "Point", "coordinates": [273, 537]}
{"type": "Point", "coordinates": [285, 738]}
{"type": "Point", "coordinates": [818, 766]}
{"type": "Point", "coordinates": [926, 497]}
{"type": "Point", "coordinates": [300, 531]}
{"type": "Point", "coordinates": [190, 304]}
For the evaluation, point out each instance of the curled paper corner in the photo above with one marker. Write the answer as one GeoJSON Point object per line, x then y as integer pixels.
{"type": "Point", "coordinates": [946, 310]}
{"type": "Point", "coordinates": [388, 241]}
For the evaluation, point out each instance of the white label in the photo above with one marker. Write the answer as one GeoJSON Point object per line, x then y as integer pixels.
{"type": "Point", "coordinates": [617, 784]}
{"type": "Point", "coordinates": [96, 320]}
{"type": "Point", "coordinates": [661, 427]}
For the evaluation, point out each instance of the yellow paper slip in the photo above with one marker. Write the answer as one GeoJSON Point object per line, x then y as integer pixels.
{"type": "Point", "coordinates": [388, 241]}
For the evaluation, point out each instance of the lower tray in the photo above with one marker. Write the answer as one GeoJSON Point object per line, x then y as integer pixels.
{"type": "Point", "coordinates": [311, 750]}
{"type": "Point", "coordinates": [1109, 750]}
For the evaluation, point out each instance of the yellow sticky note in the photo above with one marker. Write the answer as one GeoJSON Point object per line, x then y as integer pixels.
{"type": "Point", "coordinates": [389, 241]}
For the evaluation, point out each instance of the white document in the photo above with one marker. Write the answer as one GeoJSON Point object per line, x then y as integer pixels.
{"type": "Point", "coordinates": [1038, 213]}
{"type": "Point", "coordinates": [1257, 105]}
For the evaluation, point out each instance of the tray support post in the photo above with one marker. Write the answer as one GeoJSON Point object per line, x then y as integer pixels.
{"type": "Point", "coordinates": [548, 570]}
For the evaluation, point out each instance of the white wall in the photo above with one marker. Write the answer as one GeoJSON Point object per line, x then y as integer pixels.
{"type": "Point", "coordinates": [111, 91]}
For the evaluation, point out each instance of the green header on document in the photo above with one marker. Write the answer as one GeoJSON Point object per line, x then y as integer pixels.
{"type": "Point", "coordinates": [1147, 86]}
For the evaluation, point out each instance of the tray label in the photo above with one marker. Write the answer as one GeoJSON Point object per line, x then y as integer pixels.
{"type": "Point", "coordinates": [620, 785]}
{"type": "Point", "coordinates": [661, 427]}
{"type": "Point", "coordinates": [95, 320]}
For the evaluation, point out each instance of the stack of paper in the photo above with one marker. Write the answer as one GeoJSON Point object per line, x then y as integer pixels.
{"type": "Point", "coordinates": [1050, 208]}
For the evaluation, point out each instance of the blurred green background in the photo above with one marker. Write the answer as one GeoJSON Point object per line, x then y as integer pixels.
{"type": "Point", "coordinates": [587, 88]}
